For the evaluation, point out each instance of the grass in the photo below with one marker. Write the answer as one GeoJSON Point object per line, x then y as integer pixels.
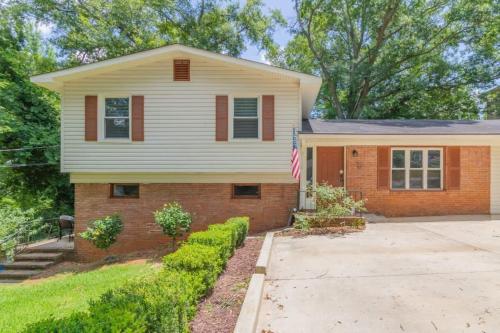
{"type": "Point", "coordinates": [62, 294]}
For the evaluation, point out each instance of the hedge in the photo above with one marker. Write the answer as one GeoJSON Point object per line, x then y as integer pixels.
{"type": "Point", "coordinates": [165, 301]}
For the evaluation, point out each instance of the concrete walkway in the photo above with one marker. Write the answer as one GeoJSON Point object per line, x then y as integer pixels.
{"type": "Point", "coordinates": [393, 277]}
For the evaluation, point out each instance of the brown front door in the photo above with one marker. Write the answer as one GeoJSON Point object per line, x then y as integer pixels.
{"type": "Point", "coordinates": [330, 165]}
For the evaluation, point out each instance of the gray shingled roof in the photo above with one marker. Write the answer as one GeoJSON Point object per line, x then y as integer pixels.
{"type": "Point", "coordinates": [397, 127]}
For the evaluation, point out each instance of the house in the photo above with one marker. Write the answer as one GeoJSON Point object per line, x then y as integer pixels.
{"type": "Point", "coordinates": [407, 167]}
{"type": "Point", "coordinates": [177, 123]}
{"type": "Point", "coordinates": [214, 133]}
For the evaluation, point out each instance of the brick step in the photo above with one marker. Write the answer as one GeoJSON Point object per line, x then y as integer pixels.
{"type": "Point", "coordinates": [27, 264]}
{"type": "Point", "coordinates": [39, 256]}
{"type": "Point", "coordinates": [17, 274]}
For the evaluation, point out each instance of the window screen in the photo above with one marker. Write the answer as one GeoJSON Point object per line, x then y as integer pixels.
{"type": "Point", "coordinates": [125, 190]}
{"type": "Point", "coordinates": [116, 118]}
{"type": "Point", "coordinates": [246, 191]}
{"type": "Point", "coordinates": [245, 118]}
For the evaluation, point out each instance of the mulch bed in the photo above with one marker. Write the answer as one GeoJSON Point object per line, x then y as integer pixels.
{"type": "Point", "coordinates": [219, 311]}
{"type": "Point", "coordinates": [319, 231]}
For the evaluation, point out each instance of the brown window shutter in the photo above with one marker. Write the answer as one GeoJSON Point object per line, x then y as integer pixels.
{"type": "Point", "coordinates": [221, 118]}
{"type": "Point", "coordinates": [182, 70]}
{"type": "Point", "coordinates": [137, 118]}
{"type": "Point", "coordinates": [452, 162]}
{"type": "Point", "coordinates": [268, 118]}
{"type": "Point", "coordinates": [383, 167]}
{"type": "Point", "coordinates": [90, 118]}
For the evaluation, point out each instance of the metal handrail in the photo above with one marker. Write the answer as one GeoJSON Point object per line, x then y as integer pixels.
{"type": "Point", "coordinates": [27, 234]}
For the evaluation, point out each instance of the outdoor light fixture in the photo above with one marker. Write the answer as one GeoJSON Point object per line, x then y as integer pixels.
{"type": "Point", "coordinates": [354, 153]}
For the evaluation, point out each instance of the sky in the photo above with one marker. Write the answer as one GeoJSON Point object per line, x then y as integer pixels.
{"type": "Point", "coordinates": [282, 36]}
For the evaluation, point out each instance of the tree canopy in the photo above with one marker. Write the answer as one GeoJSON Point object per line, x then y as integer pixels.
{"type": "Point", "coordinates": [395, 58]}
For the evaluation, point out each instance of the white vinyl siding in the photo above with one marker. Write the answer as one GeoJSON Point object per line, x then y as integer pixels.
{"type": "Point", "coordinates": [495, 180]}
{"type": "Point", "coordinates": [179, 120]}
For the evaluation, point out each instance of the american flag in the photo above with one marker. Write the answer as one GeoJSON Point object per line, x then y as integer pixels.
{"type": "Point", "coordinates": [295, 157]}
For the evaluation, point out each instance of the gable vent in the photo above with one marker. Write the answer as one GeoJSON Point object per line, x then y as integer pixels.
{"type": "Point", "coordinates": [181, 70]}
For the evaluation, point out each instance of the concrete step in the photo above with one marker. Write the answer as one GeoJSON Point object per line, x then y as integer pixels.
{"type": "Point", "coordinates": [39, 256]}
{"type": "Point", "coordinates": [17, 274]}
{"type": "Point", "coordinates": [27, 264]}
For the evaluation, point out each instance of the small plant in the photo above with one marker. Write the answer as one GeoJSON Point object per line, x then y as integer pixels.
{"type": "Point", "coordinates": [336, 202]}
{"type": "Point", "coordinates": [174, 221]}
{"type": "Point", "coordinates": [102, 233]}
{"type": "Point", "coordinates": [301, 222]}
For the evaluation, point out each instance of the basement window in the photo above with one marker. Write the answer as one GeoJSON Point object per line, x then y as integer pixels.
{"type": "Point", "coordinates": [246, 191]}
{"type": "Point", "coordinates": [125, 190]}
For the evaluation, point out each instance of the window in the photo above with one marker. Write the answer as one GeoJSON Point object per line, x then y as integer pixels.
{"type": "Point", "coordinates": [117, 118]}
{"type": "Point", "coordinates": [246, 191]}
{"type": "Point", "coordinates": [124, 190]}
{"type": "Point", "coordinates": [309, 165]}
{"type": "Point", "coordinates": [416, 168]}
{"type": "Point", "coordinates": [245, 118]}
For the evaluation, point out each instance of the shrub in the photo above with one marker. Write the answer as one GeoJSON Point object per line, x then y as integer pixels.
{"type": "Point", "coordinates": [301, 222]}
{"type": "Point", "coordinates": [224, 238]}
{"type": "Point", "coordinates": [103, 232]}
{"type": "Point", "coordinates": [174, 221]}
{"type": "Point", "coordinates": [241, 224]}
{"type": "Point", "coordinates": [336, 202]}
{"type": "Point", "coordinates": [166, 301]}
{"type": "Point", "coordinates": [202, 260]}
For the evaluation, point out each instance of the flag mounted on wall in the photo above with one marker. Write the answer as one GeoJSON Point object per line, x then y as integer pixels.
{"type": "Point", "coordinates": [295, 157]}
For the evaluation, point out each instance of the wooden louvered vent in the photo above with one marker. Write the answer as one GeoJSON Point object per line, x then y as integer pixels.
{"type": "Point", "coordinates": [182, 70]}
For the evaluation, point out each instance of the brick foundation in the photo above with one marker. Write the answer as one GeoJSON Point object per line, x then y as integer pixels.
{"type": "Point", "coordinates": [473, 197]}
{"type": "Point", "coordinates": [209, 203]}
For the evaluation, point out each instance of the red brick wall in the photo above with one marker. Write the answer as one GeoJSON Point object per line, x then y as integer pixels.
{"type": "Point", "coordinates": [209, 203]}
{"type": "Point", "coordinates": [473, 197]}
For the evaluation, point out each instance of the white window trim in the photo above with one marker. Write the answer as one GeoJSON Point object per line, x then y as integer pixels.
{"type": "Point", "coordinates": [231, 117]}
{"type": "Point", "coordinates": [425, 168]}
{"type": "Point", "coordinates": [101, 115]}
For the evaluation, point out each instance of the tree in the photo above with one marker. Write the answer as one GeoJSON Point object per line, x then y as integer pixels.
{"type": "Point", "coordinates": [174, 221]}
{"type": "Point", "coordinates": [394, 58]}
{"type": "Point", "coordinates": [29, 117]}
{"type": "Point", "coordinates": [86, 31]}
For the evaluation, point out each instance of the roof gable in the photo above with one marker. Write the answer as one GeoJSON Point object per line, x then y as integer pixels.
{"type": "Point", "coordinates": [309, 84]}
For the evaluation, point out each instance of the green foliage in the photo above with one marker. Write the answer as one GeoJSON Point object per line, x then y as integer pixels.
{"type": "Point", "coordinates": [174, 221]}
{"type": "Point", "coordinates": [29, 117]}
{"type": "Point", "coordinates": [241, 224]}
{"type": "Point", "coordinates": [17, 226]}
{"type": "Point", "coordinates": [103, 232]}
{"type": "Point", "coordinates": [335, 202]}
{"type": "Point", "coordinates": [222, 238]}
{"type": "Point", "coordinates": [301, 222]}
{"type": "Point", "coordinates": [202, 260]}
{"type": "Point", "coordinates": [396, 59]}
{"type": "Point", "coordinates": [94, 30]}
{"type": "Point", "coordinates": [166, 301]}
{"type": "Point", "coordinates": [24, 304]}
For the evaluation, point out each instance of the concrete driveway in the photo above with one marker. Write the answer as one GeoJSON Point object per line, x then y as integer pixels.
{"type": "Point", "coordinates": [393, 277]}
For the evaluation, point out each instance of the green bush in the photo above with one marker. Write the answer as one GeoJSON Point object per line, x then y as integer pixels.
{"type": "Point", "coordinates": [103, 232]}
{"type": "Point", "coordinates": [166, 301]}
{"type": "Point", "coordinates": [224, 239]}
{"type": "Point", "coordinates": [241, 224]}
{"type": "Point", "coordinates": [202, 260]}
{"type": "Point", "coordinates": [336, 202]}
{"type": "Point", "coordinates": [174, 221]}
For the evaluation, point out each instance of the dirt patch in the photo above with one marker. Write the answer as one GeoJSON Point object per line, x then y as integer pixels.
{"type": "Point", "coordinates": [154, 257]}
{"type": "Point", "coordinates": [219, 312]}
{"type": "Point", "coordinates": [319, 231]}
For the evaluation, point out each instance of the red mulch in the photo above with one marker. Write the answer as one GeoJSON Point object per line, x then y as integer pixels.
{"type": "Point", "coordinates": [319, 231]}
{"type": "Point", "coordinates": [219, 312]}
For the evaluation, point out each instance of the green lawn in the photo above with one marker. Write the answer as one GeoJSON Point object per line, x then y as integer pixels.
{"type": "Point", "coordinates": [61, 295]}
